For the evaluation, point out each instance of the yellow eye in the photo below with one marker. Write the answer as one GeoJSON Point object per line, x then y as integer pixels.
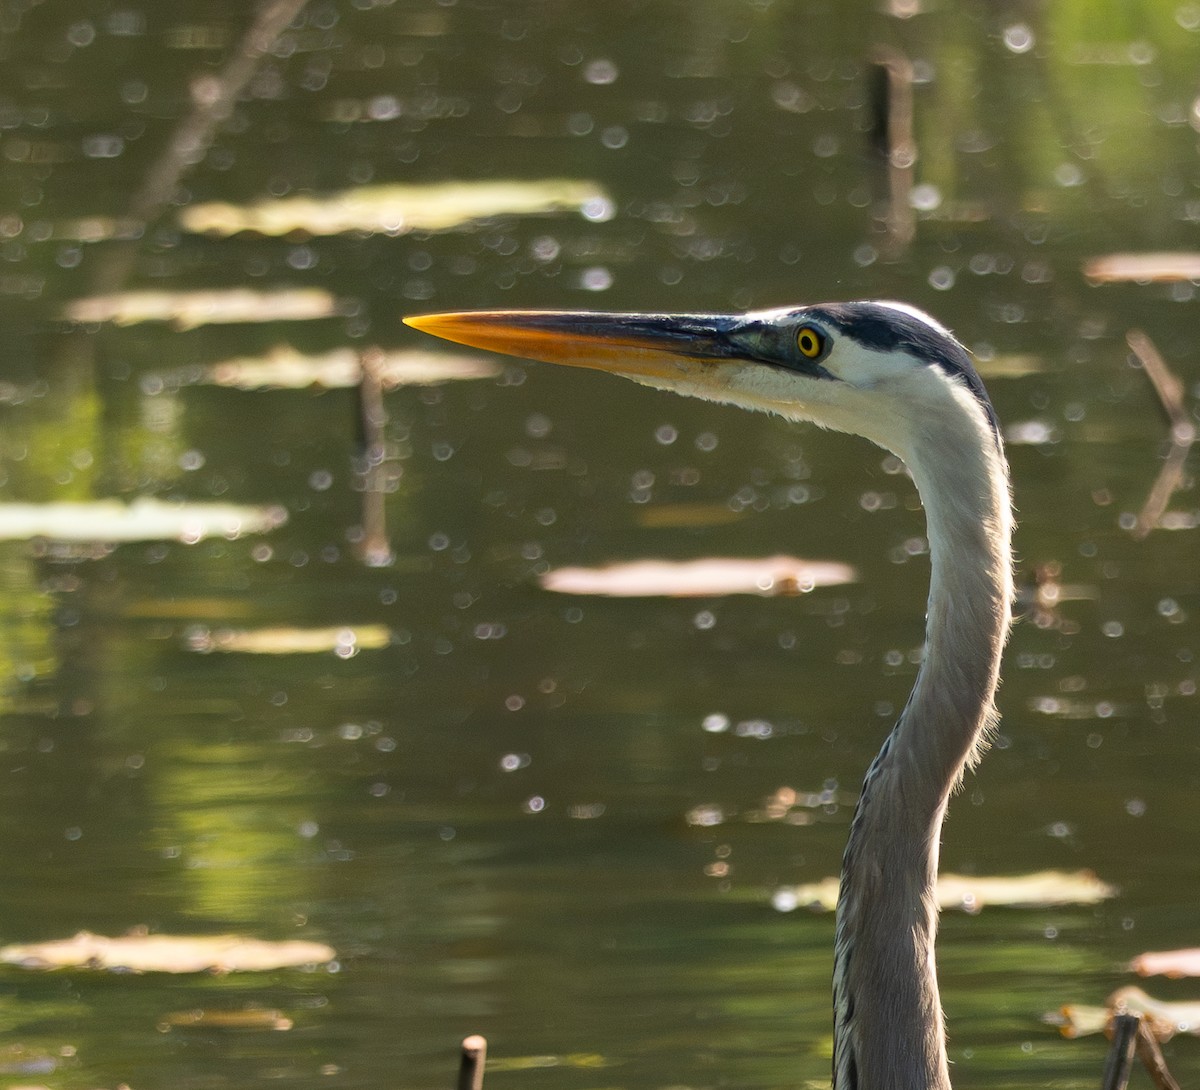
{"type": "Point", "coordinates": [810, 341]}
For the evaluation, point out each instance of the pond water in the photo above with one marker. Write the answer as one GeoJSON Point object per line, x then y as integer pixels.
{"type": "Point", "coordinates": [532, 815]}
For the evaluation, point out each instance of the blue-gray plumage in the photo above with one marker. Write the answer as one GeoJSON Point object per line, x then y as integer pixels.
{"type": "Point", "coordinates": [894, 375]}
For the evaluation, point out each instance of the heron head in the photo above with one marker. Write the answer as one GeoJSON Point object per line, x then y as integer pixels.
{"type": "Point", "coordinates": [882, 370]}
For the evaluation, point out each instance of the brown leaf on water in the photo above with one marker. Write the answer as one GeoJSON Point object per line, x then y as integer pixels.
{"type": "Point", "coordinates": [1143, 267]}
{"type": "Point", "coordinates": [139, 953]}
{"type": "Point", "coordinates": [1040, 889]}
{"type": "Point", "coordinates": [247, 1018]}
{"type": "Point", "coordinates": [285, 368]}
{"type": "Point", "coordinates": [343, 640]}
{"type": "Point", "coordinates": [1164, 1019]}
{"type": "Point", "coordinates": [1169, 963]}
{"type": "Point", "coordinates": [190, 309]}
{"type": "Point", "coordinates": [395, 209]}
{"type": "Point", "coordinates": [706, 578]}
{"type": "Point", "coordinates": [1078, 1020]}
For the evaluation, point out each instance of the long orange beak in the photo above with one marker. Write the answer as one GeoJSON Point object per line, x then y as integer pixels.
{"type": "Point", "coordinates": [659, 346]}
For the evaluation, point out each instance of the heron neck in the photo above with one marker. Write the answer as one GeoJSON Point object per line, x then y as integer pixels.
{"type": "Point", "coordinates": [945, 725]}
{"type": "Point", "coordinates": [888, 1021]}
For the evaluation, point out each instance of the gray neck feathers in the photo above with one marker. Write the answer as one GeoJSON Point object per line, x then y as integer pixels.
{"type": "Point", "coordinates": [888, 1028]}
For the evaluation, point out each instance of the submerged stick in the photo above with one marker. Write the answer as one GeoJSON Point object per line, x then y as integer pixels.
{"type": "Point", "coordinates": [375, 549]}
{"type": "Point", "coordinates": [1166, 384]}
{"type": "Point", "coordinates": [1183, 432]}
{"type": "Point", "coordinates": [893, 124]}
{"type": "Point", "coordinates": [1119, 1064]}
{"type": "Point", "coordinates": [474, 1055]}
{"type": "Point", "coordinates": [213, 99]}
{"type": "Point", "coordinates": [1152, 1058]}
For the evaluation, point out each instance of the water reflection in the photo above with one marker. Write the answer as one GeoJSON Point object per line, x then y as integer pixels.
{"type": "Point", "coordinates": [489, 818]}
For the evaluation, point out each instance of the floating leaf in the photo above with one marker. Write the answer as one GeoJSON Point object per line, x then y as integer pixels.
{"type": "Point", "coordinates": [686, 515]}
{"type": "Point", "coordinates": [94, 229]}
{"type": "Point", "coordinates": [345, 640]}
{"type": "Point", "coordinates": [1009, 365]}
{"type": "Point", "coordinates": [424, 106]}
{"type": "Point", "coordinates": [285, 368]}
{"type": "Point", "coordinates": [141, 520]}
{"type": "Point", "coordinates": [1179, 520]}
{"type": "Point", "coordinates": [1077, 1020]}
{"type": "Point", "coordinates": [395, 209]}
{"type": "Point", "coordinates": [1038, 890]}
{"type": "Point", "coordinates": [971, 894]}
{"type": "Point", "coordinates": [1032, 433]}
{"type": "Point", "coordinates": [819, 896]}
{"type": "Point", "coordinates": [217, 607]}
{"type": "Point", "coordinates": [189, 309]}
{"type": "Point", "coordinates": [1143, 268]}
{"type": "Point", "coordinates": [1041, 601]}
{"type": "Point", "coordinates": [1164, 1019]}
{"type": "Point", "coordinates": [585, 1060]}
{"type": "Point", "coordinates": [1170, 963]}
{"type": "Point", "coordinates": [786, 804]}
{"type": "Point", "coordinates": [1063, 707]}
{"type": "Point", "coordinates": [248, 1018]}
{"type": "Point", "coordinates": [167, 953]}
{"type": "Point", "coordinates": [20, 1059]}
{"type": "Point", "coordinates": [710, 577]}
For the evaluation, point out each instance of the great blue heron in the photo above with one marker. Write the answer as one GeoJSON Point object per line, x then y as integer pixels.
{"type": "Point", "coordinates": [894, 375]}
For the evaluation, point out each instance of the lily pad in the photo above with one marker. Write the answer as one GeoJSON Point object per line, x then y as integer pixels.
{"type": "Point", "coordinates": [972, 893]}
{"type": "Point", "coordinates": [667, 516]}
{"type": "Point", "coordinates": [1143, 267]}
{"type": "Point", "coordinates": [1032, 433]}
{"type": "Point", "coordinates": [394, 209]}
{"type": "Point", "coordinates": [1009, 365]}
{"type": "Point", "coordinates": [21, 1060]}
{"type": "Point", "coordinates": [285, 368]}
{"type": "Point", "coordinates": [141, 520]}
{"type": "Point", "coordinates": [582, 1060]}
{"type": "Point", "coordinates": [94, 229]}
{"type": "Point", "coordinates": [167, 953]}
{"type": "Point", "coordinates": [190, 309]}
{"type": "Point", "coordinates": [1165, 1019]}
{"type": "Point", "coordinates": [247, 1018]}
{"type": "Point", "coordinates": [1169, 963]}
{"type": "Point", "coordinates": [345, 640]}
{"type": "Point", "coordinates": [706, 578]}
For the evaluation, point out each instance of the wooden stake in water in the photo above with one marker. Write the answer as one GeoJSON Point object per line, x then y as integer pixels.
{"type": "Point", "coordinates": [1152, 1058]}
{"type": "Point", "coordinates": [1119, 1064]}
{"type": "Point", "coordinates": [474, 1055]}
